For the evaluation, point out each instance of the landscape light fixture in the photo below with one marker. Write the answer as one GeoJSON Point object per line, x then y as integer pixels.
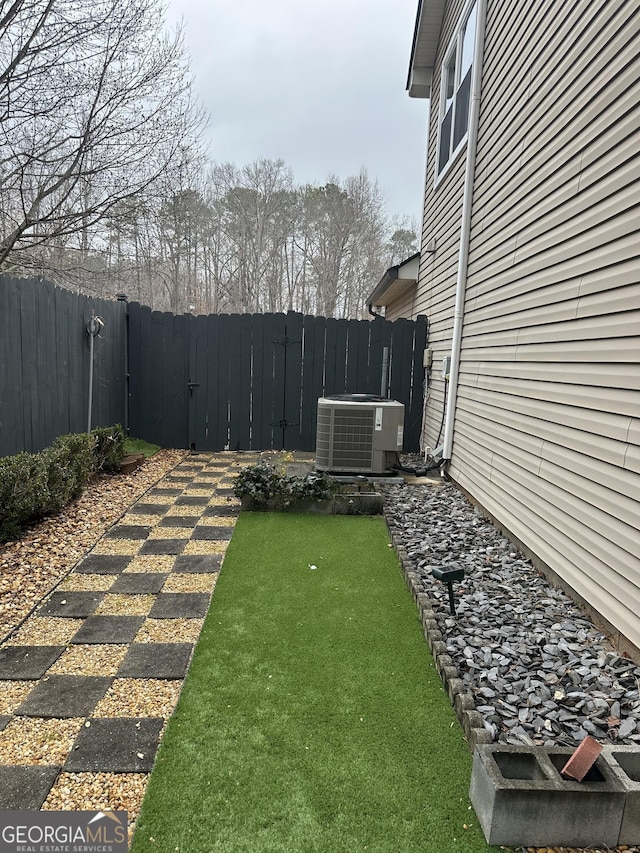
{"type": "Point", "coordinates": [449, 574]}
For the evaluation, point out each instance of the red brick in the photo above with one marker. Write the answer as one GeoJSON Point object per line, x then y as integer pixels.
{"type": "Point", "coordinates": [582, 759]}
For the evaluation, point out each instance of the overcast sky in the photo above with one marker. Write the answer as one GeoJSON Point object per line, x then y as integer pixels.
{"type": "Point", "coordinates": [321, 85]}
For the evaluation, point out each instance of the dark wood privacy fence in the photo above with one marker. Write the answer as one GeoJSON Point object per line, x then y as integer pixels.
{"type": "Point", "coordinates": [251, 382]}
{"type": "Point", "coordinates": [44, 363]}
{"type": "Point", "coordinates": [245, 382]}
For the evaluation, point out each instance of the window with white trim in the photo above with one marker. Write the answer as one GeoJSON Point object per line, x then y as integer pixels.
{"type": "Point", "coordinates": [455, 91]}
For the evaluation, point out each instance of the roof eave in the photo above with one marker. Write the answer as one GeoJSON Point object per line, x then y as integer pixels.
{"type": "Point", "coordinates": [395, 281]}
{"type": "Point", "coordinates": [426, 35]}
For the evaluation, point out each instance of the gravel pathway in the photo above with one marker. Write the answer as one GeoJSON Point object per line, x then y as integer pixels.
{"type": "Point", "coordinates": [99, 639]}
{"type": "Point", "coordinates": [46, 552]}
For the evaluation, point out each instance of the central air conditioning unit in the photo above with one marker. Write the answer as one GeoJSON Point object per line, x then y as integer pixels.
{"type": "Point", "coordinates": [358, 434]}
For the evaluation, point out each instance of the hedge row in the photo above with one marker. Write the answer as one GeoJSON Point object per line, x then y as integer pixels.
{"type": "Point", "coordinates": [34, 484]}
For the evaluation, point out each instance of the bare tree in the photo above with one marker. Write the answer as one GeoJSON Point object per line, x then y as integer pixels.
{"type": "Point", "coordinates": [95, 106]}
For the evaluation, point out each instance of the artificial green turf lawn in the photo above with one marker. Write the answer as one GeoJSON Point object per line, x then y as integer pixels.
{"type": "Point", "coordinates": [138, 445]}
{"type": "Point", "coordinates": [312, 719]}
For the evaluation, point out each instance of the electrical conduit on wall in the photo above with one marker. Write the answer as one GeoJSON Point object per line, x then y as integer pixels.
{"type": "Point", "coordinates": [465, 231]}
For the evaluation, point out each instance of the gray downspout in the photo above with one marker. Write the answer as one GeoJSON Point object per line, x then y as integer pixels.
{"type": "Point", "coordinates": [465, 231]}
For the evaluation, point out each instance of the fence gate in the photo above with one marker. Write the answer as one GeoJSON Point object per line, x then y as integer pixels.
{"type": "Point", "coordinates": [252, 381]}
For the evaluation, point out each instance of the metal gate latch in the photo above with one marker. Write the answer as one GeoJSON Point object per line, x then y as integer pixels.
{"type": "Point", "coordinates": [191, 386]}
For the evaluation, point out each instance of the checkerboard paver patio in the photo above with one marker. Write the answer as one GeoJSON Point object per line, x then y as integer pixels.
{"type": "Point", "coordinates": [34, 681]}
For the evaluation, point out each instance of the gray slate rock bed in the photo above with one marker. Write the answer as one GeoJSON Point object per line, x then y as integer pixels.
{"type": "Point", "coordinates": [538, 670]}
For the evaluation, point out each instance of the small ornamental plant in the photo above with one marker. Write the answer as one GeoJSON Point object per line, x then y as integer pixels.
{"type": "Point", "coordinates": [264, 484]}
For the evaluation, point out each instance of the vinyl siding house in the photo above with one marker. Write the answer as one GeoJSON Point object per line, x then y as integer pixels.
{"type": "Point", "coordinates": [529, 275]}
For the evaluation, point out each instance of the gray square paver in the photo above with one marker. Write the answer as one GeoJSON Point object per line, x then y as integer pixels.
{"type": "Point", "coordinates": [64, 696]}
{"type": "Point", "coordinates": [103, 564]}
{"type": "Point", "coordinates": [198, 563]}
{"type": "Point", "coordinates": [163, 546]}
{"type": "Point", "coordinates": [156, 660]}
{"type": "Point", "coordinates": [27, 663]}
{"type": "Point", "coordinates": [71, 605]}
{"type": "Point", "coordinates": [4, 720]}
{"type": "Point", "coordinates": [178, 521]}
{"type": "Point", "coordinates": [139, 583]}
{"type": "Point", "coordinates": [108, 629]}
{"type": "Point", "coordinates": [128, 531]}
{"type": "Point", "coordinates": [147, 509]}
{"type": "Point", "coordinates": [222, 510]}
{"type": "Point", "coordinates": [180, 605]}
{"type": "Point", "coordinates": [206, 531]}
{"type": "Point", "coordinates": [192, 500]}
{"type": "Point", "coordinates": [25, 788]}
{"type": "Point", "coordinates": [115, 745]}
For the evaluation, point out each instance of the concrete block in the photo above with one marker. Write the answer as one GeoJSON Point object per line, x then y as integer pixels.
{"type": "Point", "coordinates": [624, 761]}
{"type": "Point", "coordinates": [455, 686]}
{"type": "Point", "coordinates": [430, 626]}
{"type": "Point", "coordinates": [471, 719]}
{"type": "Point", "coordinates": [478, 736]}
{"type": "Point", "coordinates": [521, 799]}
{"type": "Point", "coordinates": [438, 646]}
{"type": "Point", "coordinates": [447, 673]}
{"type": "Point", "coordinates": [443, 661]}
{"type": "Point", "coordinates": [464, 702]}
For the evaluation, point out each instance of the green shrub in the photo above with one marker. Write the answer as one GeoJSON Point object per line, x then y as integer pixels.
{"type": "Point", "coordinates": [70, 464]}
{"type": "Point", "coordinates": [264, 483]}
{"type": "Point", "coordinates": [23, 492]}
{"type": "Point", "coordinates": [109, 450]}
{"type": "Point", "coordinates": [33, 484]}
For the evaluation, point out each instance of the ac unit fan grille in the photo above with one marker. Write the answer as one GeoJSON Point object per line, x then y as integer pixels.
{"type": "Point", "coordinates": [352, 438]}
{"type": "Point", "coordinates": [352, 443]}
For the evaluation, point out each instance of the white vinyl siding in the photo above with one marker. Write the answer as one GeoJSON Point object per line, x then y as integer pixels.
{"type": "Point", "coordinates": [547, 430]}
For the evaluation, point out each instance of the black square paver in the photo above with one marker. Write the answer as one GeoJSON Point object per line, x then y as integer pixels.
{"type": "Point", "coordinates": [197, 563]}
{"type": "Point", "coordinates": [108, 629]}
{"type": "Point", "coordinates": [222, 510]}
{"type": "Point", "coordinates": [178, 521]}
{"type": "Point", "coordinates": [160, 492]}
{"type": "Point", "coordinates": [27, 663]}
{"type": "Point", "coordinates": [5, 719]}
{"type": "Point", "coordinates": [71, 605]}
{"type": "Point", "coordinates": [64, 696]}
{"type": "Point", "coordinates": [148, 509]}
{"type": "Point", "coordinates": [163, 546]}
{"type": "Point", "coordinates": [206, 531]}
{"type": "Point", "coordinates": [139, 583]}
{"type": "Point", "coordinates": [115, 745]}
{"type": "Point", "coordinates": [128, 531]}
{"type": "Point", "coordinates": [156, 660]}
{"type": "Point", "coordinates": [192, 500]}
{"type": "Point", "coordinates": [224, 492]}
{"type": "Point", "coordinates": [180, 605]}
{"type": "Point", "coordinates": [26, 788]}
{"type": "Point", "coordinates": [103, 564]}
